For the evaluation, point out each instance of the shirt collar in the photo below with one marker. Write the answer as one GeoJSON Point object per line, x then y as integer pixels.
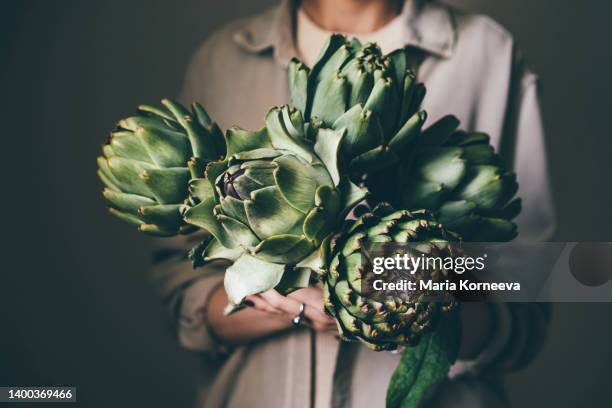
{"type": "Point", "coordinates": [431, 27]}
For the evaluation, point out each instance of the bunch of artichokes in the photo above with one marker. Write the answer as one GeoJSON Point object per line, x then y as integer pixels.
{"type": "Point", "coordinates": [278, 201]}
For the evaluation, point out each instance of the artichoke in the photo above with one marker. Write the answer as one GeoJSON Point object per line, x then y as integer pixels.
{"type": "Point", "coordinates": [270, 202]}
{"type": "Point", "coordinates": [392, 321]}
{"type": "Point", "coordinates": [458, 176]}
{"type": "Point", "coordinates": [375, 99]}
{"type": "Point", "coordinates": [149, 160]}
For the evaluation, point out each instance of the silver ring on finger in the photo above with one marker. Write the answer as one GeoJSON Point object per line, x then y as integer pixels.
{"type": "Point", "coordinates": [297, 319]}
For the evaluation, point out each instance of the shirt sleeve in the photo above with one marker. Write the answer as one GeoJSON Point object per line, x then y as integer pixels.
{"type": "Point", "coordinates": [185, 291]}
{"type": "Point", "coordinates": [536, 222]}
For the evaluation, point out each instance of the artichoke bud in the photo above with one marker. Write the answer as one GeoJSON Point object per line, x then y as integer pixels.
{"type": "Point", "coordinates": [394, 320]}
{"type": "Point", "coordinates": [348, 80]}
{"type": "Point", "coordinates": [276, 195]}
{"type": "Point", "coordinates": [149, 160]}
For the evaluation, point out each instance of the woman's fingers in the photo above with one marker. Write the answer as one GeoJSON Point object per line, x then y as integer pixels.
{"type": "Point", "coordinates": [314, 316]}
{"type": "Point", "coordinates": [259, 303]}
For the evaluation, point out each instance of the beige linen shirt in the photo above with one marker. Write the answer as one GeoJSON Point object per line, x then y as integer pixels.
{"type": "Point", "coordinates": [472, 69]}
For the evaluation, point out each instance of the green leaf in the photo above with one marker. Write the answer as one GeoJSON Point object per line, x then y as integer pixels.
{"type": "Point", "coordinates": [214, 250]}
{"type": "Point", "coordinates": [234, 208]}
{"type": "Point", "coordinates": [329, 101]}
{"type": "Point", "coordinates": [240, 140]}
{"type": "Point", "coordinates": [425, 365]}
{"type": "Point", "coordinates": [169, 186]}
{"type": "Point", "coordinates": [317, 224]}
{"type": "Point", "coordinates": [383, 102]}
{"type": "Point", "coordinates": [423, 194]}
{"type": "Point", "coordinates": [327, 148]}
{"type": "Point", "coordinates": [438, 133]}
{"type": "Point", "coordinates": [201, 189]}
{"type": "Point", "coordinates": [126, 202]}
{"type": "Point", "coordinates": [363, 132]}
{"type": "Point", "coordinates": [167, 148]}
{"type": "Point", "coordinates": [295, 183]}
{"type": "Point", "coordinates": [125, 144]}
{"type": "Point", "coordinates": [255, 154]}
{"type": "Point", "coordinates": [129, 218]}
{"type": "Point", "coordinates": [442, 165]}
{"type": "Point", "coordinates": [157, 230]}
{"type": "Point", "coordinates": [284, 248]}
{"type": "Point", "coordinates": [168, 215]}
{"type": "Point", "coordinates": [486, 186]}
{"type": "Point", "coordinates": [249, 276]}
{"type": "Point", "coordinates": [240, 234]}
{"type": "Point", "coordinates": [202, 144]}
{"type": "Point", "coordinates": [281, 138]}
{"type": "Point", "coordinates": [269, 214]}
{"type": "Point", "coordinates": [298, 84]}
{"type": "Point", "coordinates": [202, 215]}
{"type": "Point", "coordinates": [127, 173]}
{"type": "Point", "coordinates": [215, 136]}
{"type": "Point", "coordinates": [154, 111]}
{"type": "Point", "coordinates": [398, 66]}
{"type": "Point", "coordinates": [360, 82]}
{"type": "Point", "coordinates": [293, 279]}
{"type": "Point", "coordinates": [408, 133]}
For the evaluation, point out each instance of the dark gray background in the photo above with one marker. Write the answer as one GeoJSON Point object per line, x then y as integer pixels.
{"type": "Point", "coordinates": [75, 306]}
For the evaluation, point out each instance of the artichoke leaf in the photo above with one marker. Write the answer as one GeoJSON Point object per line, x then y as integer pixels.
{"type": "Point", "coordinates": [284, 248]}
{"type": "Point", "coordinates": [298, 84]}
{"type": "Point", "coordinates": [166, 148]}
{"type": "Point", "coordinates": [425, 365]}
{"type": "Point", "coordinates": [240, 234]}
{"type": "Point", "coordinates": [350, 195]}
{"type": "Point", "coordinates": [408, 132]}
{"type": "Point", "coordinates": [202, 215]}
{"type": "Point", "coordinates": [129, 203]}
{"type": "Point", "coordinates": [125, 144]}
{"type": "Point", "coordinates": [129, 218]}
{"type": "Point", "coordinates": [240, 140]}
{"type": "Point", "coordinates": [269, 214]}
{"type": "Point", "coordinates": [329, 101]}
{"type": "Point", "coordinates": [215, 135]}
{"type": "Point", "coordinates": [168, 185]}
{"type": "Point", "coordinates": [201, 144]}
{"type": "Point", "coordinates": [295, 183]}
{"type": "Point", "coordinates": [280, 137]}
{"type": "Point", "coordinates": [165, 214]}
{"type": "Point", "coordinates": [314, 261]}
{"type": "Point", "coordinates": [154, 111]}
{"type": "Point", "coordinates": [360, 83]}
{"type": "Point", "coordinates": [293, 279]}
{"type": "Point", "coordinates": [363, 132]}
{"type": "Point", "coordinates": [442, 165]}
{"type": "Point", "coordinates": [439, 132]}
{"type": "Point", "coordinates": [127, 174]}
{"type": "Point", "coordinates": [398, 66]}
{"type": "Point", "coordinates": [383, 102]}
{"type": "Point", "coordinates": [201, 189]}
{"type": "Point", "coordinates": [250, 275]}
{"type": "Point", "coordinates": [327, 149]}
{"type": "Point", "coordinates": [157, 230]}
{"type": "Point", "coordinates": [234, 208]}
{"type": "Point", "coordinates": [215, 250]}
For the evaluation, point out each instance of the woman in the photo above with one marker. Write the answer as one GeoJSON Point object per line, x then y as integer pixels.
{"type": "Point", "coordinates": [471, 69]}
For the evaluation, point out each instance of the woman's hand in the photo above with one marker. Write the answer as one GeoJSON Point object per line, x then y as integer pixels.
{"type": "Point", "coordinates": [289, 306]}
{"type": "Point", "coordinates": [268, 313]}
